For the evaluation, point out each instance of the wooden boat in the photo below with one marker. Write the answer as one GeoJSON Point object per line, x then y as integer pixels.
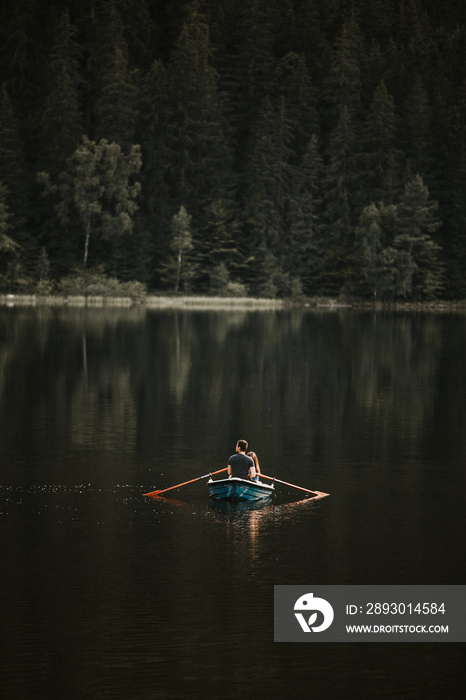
{"type": "Point", "coordinates": [236, 489]}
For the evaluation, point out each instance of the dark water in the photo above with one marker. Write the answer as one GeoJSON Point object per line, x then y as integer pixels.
{"type": "Point", "coordinates": [107, 594]}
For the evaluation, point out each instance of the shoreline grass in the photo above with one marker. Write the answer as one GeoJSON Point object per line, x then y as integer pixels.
{"type": "Point", "coordinates": [225, 303]}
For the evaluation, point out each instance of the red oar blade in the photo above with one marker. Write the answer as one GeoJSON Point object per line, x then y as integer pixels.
{"type": "Point", "coordinates": [313, 494]}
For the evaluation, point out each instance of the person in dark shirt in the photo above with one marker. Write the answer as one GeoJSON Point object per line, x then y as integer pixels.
{"type": "Point", "coordinates": [239, 464]}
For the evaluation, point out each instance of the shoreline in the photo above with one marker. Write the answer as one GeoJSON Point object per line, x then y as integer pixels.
{"type": "Point", "coordinates": [150, 302]}
{"type": "Point", "coordinates": [226, 303]}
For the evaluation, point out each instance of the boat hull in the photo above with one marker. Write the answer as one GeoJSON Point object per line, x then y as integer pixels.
{"type": "Point", "coordinates": [236, 489]}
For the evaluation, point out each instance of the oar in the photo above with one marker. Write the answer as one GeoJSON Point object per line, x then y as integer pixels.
{"type": "Point", "coordinates": [293, 486]}
{"type": "Point", "coordinates": [191, 481]}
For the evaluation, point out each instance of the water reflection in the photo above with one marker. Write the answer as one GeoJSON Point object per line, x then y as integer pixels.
{"type": "Point", "coordinates": [185, 385]}
{"type": "Point", "coordinates": [250, 524]}
{"type": "Point", "coordinates": [106, 590]}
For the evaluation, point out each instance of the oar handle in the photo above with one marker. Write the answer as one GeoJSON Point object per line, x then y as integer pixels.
{"type": "Point", "coordinates": [293, 486]}
{"type": "Point", "coordinates": [191, 481]}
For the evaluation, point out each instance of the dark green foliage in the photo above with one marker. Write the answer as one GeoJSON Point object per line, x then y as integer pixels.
{"type": "Point", "coordinates": [12, 163]}
{"type": "Point", "coordinates": [395, 255]}
{"type": "Point", "coordinates": [306, 141]}
{"type": "Point", "coordinates": [61, 119]}
{"type": "Point", "coordinates": [95, 195]}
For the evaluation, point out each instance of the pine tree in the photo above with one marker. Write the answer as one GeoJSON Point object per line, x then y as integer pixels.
{"type": "Point", "coordinates": [306, 228]}
{"type": "Point", "coordinates": [343, 93]}
{"type": "Point", "coordinates": [417, 134]}
{"type": "Point", "coordinates": [9, 248]}
{"type": "Point", "coordinates": [19, 60]}
{"type": "Point", "coordinates": [5, 220]}
{"type": "Point", "coordinates": [292, 85]}
{"type": "Point", "coordinates": [269, 183]}
{"type": "Point", "coordinates": [218, 242]}
{"type": "Point", "coordinates": [310, 38]}
{"type": "Point", "coordinates": [13, 170]}
{"type": "Point", "coordinates": [254, 61]}
{"type": "Point", "coordinates": [417, 221]}
{"type": "Point", "coordinates": [116, 106]}
{"type": "Point", "coordinates": [375, 265]}
{"type": "Point", "coordinates": [381, 159]}
{"type": "Point", "coordinates": [62, 119]}
{"type": "Point", "coordinates": [342, 86]}
{"type": "Point", "coordinates": [343, 90]}
{"type": "Point", "coordinates": [197, 141]}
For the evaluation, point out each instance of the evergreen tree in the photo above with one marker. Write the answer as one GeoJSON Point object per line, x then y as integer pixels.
{"type": "Point", "coordinates": [306, 228]}
{"type": "Point", "coordinates": [254, 61]}
{"type": "Point", "coordinates": [381, 160]}
{"type": "Point", "coordinates": [274, 123]}
{"type": "Point", "coordinates": [5, 220]}
{"type": "Point", "coordinates": [417, 221]}
{"type": "Point", "coordinates": [270, 178]}
{"type": "Point", "coordinates": [61, 122]}
{"type": "Point", "coordinates": [343, 93]}
{"type": "Point", "coordinates": [13, 171]}
{"type": "Point", "coordinates": [140, 29]}
{"type": "Point", "coordinates": [342, 86]}
{"type": "Point", "coordinates": [116, 106]}
{"type": "Point", "coordinates": [377, 270]}
{"type": "Point", "coordinates": [197, 141]}
{"type": "Point", "coordinates": [156, 207]}
{"type": "Point", "coordinates": [417, 135]}
{"type": "Point", "coordinates": [218, 242]}
{"type": "Point", "coordinates": [342, 173]}
{"type": "Point", "coordinates": [19, 59]}
{"type": "Point", "coordinates": [292, 85]}
{"type": "Point", "coordinates": [309, 37]}
{"type": "Point", "coordinates": [9, 249]}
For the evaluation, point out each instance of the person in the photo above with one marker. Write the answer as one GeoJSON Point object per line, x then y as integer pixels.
{"type": "Point", "coordinates": [239, 464]}
{"type": "Point", "coordinates": [255, 459]}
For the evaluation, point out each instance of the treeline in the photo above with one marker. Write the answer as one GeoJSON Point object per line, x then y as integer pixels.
{"type": "Point", "coordinates": [266, 147]}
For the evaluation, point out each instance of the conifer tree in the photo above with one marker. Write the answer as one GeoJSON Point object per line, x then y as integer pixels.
{"type": "Point", "coordinates": [218, 242]}
{"type": "Point", "coordinates": [13, 171]}
{"type": "Point", "coordinates": [62, 119]}
{"type": "Point", "coordinates": [343, 90]}
{"type": "Point", "coordinates": [417, 221]}
{"type": "Point", "coordinates": [254, 60]}
{"type": "Point", "coordinates": [375, 264]}
{"type": "Point", "coordinates": [155, 212]}
{"type": "Point", "coordinates": [417, 134]}
{"type": "Point", "coordinates": [310, 38]}
{"type": "Point", "coordinates": [306, 229]}
{"type": "Point", "coordinates": [5, 219]}
{"type": "Point", "coordinates": [381, 159]}
{"type": "Point", "coordinates": [19, 54]}
{"type": "Point", "coordinates": [197, 141]}
{"type": "Point", "coordinates": [9, 248]}
{"type": "Point", "coordinates": [116, 106]}
{"type": "Point", "coordinates": [292, 85]}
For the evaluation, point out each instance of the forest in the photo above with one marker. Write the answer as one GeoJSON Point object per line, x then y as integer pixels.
{"type": "Point", "coordinates": [273, 148]}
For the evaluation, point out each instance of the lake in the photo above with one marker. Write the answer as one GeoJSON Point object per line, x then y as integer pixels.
{"type": "Point", "coordinates": [106, 593]}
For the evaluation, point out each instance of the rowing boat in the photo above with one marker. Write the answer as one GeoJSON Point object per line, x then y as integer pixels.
{"type": "Point", "coordinates": [236, 489]}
